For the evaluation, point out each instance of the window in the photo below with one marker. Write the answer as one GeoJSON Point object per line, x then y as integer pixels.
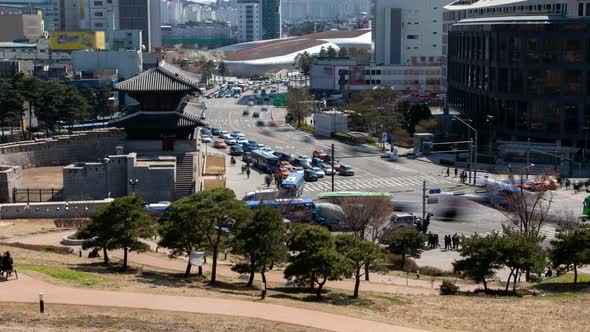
{"type": "Point", "coordinates": [98, 14]}
{"type": "Point", "coordinates": [98, 25]}
{"type": "Point", "coordinates": [98, 3]}
{"type": "Point", "coordinates": [573, 80]}
{"type": "Point", "coordinates": [552, 81]}
{"type": "Point", "coordinates": [588, 9]}
{"type": "Point", "coordinates": [571, 118]}
{"type": "Point", "coordinates": [536, 111]}
{"type": "Point", "coordinates": [580, 9]}
{"type": "Point", "coordinates": [412, 36]}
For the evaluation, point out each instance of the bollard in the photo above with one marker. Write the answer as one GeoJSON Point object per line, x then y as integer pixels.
{"type": "Point", "coordinates": [263, 289]}
{"type": "Point", "coordinates": [41, 302]}
{"type": "Point", "coordinates": [80, 252]}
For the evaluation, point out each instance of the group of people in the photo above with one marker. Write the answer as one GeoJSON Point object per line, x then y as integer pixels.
{"type": "Point", "coordinates": [575, 185]}
{"type": "Point", "coordinates": [462, 176]}
{"type": "Point", "coordinates": [246, 169]}
{"type": "Point", "coordinates": [433, 240]}
{"type": "Point", "coordinates": [277, 177]}
{"type": "Point", "coordinates": [451, 242]}
{"type": "Point", "coordinates": [7, 263]}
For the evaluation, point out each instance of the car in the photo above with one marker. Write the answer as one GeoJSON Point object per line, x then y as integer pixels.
{"type": "Point", "coordinates": [240, 136]}
{"type": "Point", "coordinates": [285, 172]}
{"type": "Point", "coordinates": [230, 141]}
{"type": "Point", "coordinates": [236, 151]}
{"type": "Point", "coordinates": [225, 136]}
{"type": "Point", "coordinates": [205, 132]}
{"type": "Point", "coordinates": [245, 112]}
{"type": "Point", "coordinates": [242, 141]}
{"type": "Point", "coordinates": [259, 146]}
{"type": "Point", "coordinates": [219, 144]}
{"type": "Point", "coordinates": [251, 103]}
{"type": "Point", "coordinates": [247, 156]}
{"type": "Point", "coordinates": [302, 162]}
{"type": "Point", "coordinates": [234, 134]}
{"type": "Point", "coordinates": [206, 139]}
{"type": "Point", "coordinates": [317, 162]}
{"type": "Point", "coordinates": [273, 123]}
{"type": "Point", "coordinates": [224, 132]}
{"type": "Point", "coordinates": [255, 115]}
{"type": "Point", "coordinates": [309, 175]}
{"type": "Point", "coordinates": [228, 95]}
{"type": "Point", "coordinates": [260, 123]}
{"type": "Point", "coordinates": [327, 169]}
{"type": "Point", "coordinates": [248, 146]}
{"type": "Point", "coordinates": [216, 131]}
{"type": "Point", "coordinates": [318, 171]}
{"type": "Point", "coordinates": [346, 170]}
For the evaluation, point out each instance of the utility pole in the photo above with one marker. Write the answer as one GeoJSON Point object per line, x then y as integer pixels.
{"type": "Point", "coordinates": [475, 166]}
{"type": "Point", "coordinates": [333, 170]}
{"type": "Point", "coordinates": [528, 156]}
{"type": "Point", "coordinates": [423, 200]}
{"type": "Point", "coordinates": [585, 145]}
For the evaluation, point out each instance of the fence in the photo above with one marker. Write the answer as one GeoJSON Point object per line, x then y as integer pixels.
{"type": "Point", "coordinates": [27, 195]}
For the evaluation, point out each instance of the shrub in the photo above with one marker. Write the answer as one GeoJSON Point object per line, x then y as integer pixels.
{"type": "Point", "coordinates": [448, 287]}
{"type": "Point", "coordinates": [446, 162]}
{"type": "Point", "coordinates": [435, 271]}
{"type": "Point", "coordinates": [343, 137]}
{"type": "Point", "coordinates": [395, 261]}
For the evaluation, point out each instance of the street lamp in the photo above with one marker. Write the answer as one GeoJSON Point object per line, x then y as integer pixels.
{"type": "Point", "coordinates": [133, 182]}
{"type": "Point", "coordinates": [527, 169]}
{"type": "Point", "coordinates": [586, 128]}
{"type": "Point", "coordinates": [470, 148]}
{"type": "Point", "coordinates": [491, 119]}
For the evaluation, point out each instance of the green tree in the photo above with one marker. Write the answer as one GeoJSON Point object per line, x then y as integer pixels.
{"type": "Point", "coordinates": [323, 52]}
{"type": "Point", "coordinates": [222, 69]}
{"type": "Point", "coordinates": [331, 52]}
{"type": "Point", "coordinates": [99, 232]}
{"type": "Point", "coordinates": [74, 107]}
{"type": "Point", "coordinates": [50, 103]}
{"type": "Point", "coordinates": [416, 113]}
{"type": "Point", "coordinates": [299, 104]}
{"type": "Point", "coordinates": [178, 231]}
{"type": "Point", "coordinates": [261, 240]}
{"type": "Point", "coordinates": [219, 211]}
{"type": "Point", "coordinates": [359, 253]}
{"type": "Point", "coordinates": [29, 87]}
{"type": "Point", "coordinates": [571, 247]}
{"type": "Point", "coordinates": [317, 260]}
{"type": "Point", "coordinates": [342, 53]}
{"type": "Point", "coordinates": [404, 241]}
{"type": "Point", "coordinates": [520, 252]}
{"type": "Point", "coordinates": [303, 63]}
{"type": "Point", "coordinates": [104, 105]}
{"type": "Point", "coordinates": [206, 67]}
{"type": "Point", "coordinates": [11, 104]}
{"type": "Point", "coordinates": [481, 256]}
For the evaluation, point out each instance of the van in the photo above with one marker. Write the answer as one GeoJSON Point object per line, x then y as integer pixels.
{"type": "Point", "coordinates": [402, 219]}
{"type": "Point", "coordinates": [261, 195]}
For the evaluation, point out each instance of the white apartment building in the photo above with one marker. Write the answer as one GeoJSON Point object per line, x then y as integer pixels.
{"type": "Point", "coordinates": [250, 23]}
{"type": "Point", "coordinates": [408, 32]}
{"type": "Point", "coordinates": [228, 14]}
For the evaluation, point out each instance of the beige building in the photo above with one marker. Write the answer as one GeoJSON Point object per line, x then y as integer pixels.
{"type": "Point", "coordinates": [20, 27]}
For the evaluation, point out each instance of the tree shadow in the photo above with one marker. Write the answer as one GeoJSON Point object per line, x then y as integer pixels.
{"type": "Point", "coordinates": [328, 296]}
{"type": "Point", "coordinates": [562, 287]}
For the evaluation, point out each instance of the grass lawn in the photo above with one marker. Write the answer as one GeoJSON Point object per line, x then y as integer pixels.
{"type": "Point", "coordinates": [21, 227]}
{"type": "Point", "coordinates": [77, 277]}
{"type": "Point", "coordinates": [58, 317]}
{"type": "Point", "coordinates": [568, 278]}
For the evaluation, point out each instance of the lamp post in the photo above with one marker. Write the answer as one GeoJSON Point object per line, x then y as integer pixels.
{"type": "Point", "coordinates": [470, 150]}
{"type": "Point", "coordinates": [586, 128]}
{"type": "Point", "coordinates": [133, 182]}
{"type": "Point", "coordinates": [526, 168]}
{"type": "Point", "coordinates": [490, 119]}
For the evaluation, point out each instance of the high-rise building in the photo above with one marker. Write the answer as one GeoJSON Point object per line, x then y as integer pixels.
{"type": "Point", "coordinates": [408, 32]}
{"type": "Point", "coordinates": [20, 27]}
{"type": "Point", "coordinates": [270, 13]}
{"type": "Point", "coordinates": [141, 15]}
{"type": "Point", "coordinates": [522, 68]}
{"type": "Point", "coordinates": [250, 23]}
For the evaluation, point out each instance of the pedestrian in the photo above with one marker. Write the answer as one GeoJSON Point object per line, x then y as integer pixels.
{"type": "Point", "coordinates": [267, 180]}
{"type": "Point", "coordinates": [436, 242]}
{"type": "Point", "coordinates": [567, 184]}
{"type": "Point", "coordinates": [7, 262]}
{"type": "Point", "coordinates": [448, 172]}
{"type": "Point", "coordinates": [243, 168]}
{"type": "Point", "coordinates": [232, 161]}
{"type": "Point", "coordinates": [248, 173]}
{"type": "Point", "coordinates": [456, 171]}
{"type": "Point", "coordinates": [430, 240]}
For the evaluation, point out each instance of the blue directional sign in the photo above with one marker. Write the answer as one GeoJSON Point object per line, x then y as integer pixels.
{"type": "Point", "coordinates": [384, 137]}
{"type": "Point", "coordinates": [435, 191]}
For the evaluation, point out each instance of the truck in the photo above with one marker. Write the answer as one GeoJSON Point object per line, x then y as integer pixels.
{"type": "Point", "coordinates": [261, 195]}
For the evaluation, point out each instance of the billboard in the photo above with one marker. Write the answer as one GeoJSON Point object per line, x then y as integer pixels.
{"type": "Point", "coordinates": [78, 40]}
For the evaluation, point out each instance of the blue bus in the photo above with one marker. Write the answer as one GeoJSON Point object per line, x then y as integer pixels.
{"type": "Point", "coordinates": [265, 160]}
{"type": "Point", "coordinates": [295, 210]}
{"type": "Point", "coordinates": [292, 186]}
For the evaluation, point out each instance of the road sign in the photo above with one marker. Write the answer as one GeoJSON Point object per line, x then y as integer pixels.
{"type": "Point", "coordinates": [384, 137]}
{"type": "Point", "coordinates": [435, 191]}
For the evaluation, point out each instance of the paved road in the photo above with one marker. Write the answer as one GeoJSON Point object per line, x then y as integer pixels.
{"type": "Point", "coordinates": [27, 289]}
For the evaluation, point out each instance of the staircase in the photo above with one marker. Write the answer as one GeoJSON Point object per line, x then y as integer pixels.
{"type": "Point", "coordinates": [185, 166]}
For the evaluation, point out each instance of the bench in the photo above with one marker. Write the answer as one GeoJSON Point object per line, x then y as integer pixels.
{"type": "Point", "coordinates": [8, 273]}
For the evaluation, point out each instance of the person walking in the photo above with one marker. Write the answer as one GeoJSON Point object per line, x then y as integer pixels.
{"type": "Point", "coordinates": [243, 168]}
{"type": "Point", "coordinates": [456, 171]}
{"type": "Point", "coordinates": [267, 180]}
{"type": "Point", "coordinates": [248, 173]}
{"type": "Point", "coordinates": [567, 184]}
{"type": "Point", "coordinates": [448, 172]}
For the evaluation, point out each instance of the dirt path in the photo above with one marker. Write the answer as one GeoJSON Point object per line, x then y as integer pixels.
{"type": "Point", "coordinates": [27, 289]}
{"type": "Point", "coordinates": [379, 283]}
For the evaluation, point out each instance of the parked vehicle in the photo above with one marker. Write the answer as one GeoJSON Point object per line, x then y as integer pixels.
{"type": "Point", "coordinates": [327, 169]}
{"type": "Point", "coordinates": [215, 131]}
{"type": "Point", "coordinates": [318, 171]}
{"type": "Point", "coordinates": [246, 112]}
{"type": "Point", "coordinates": [319, 154]}
{"type": "Point", "coordinates": [302, 162]}
{"type": "Point", "coordinates": [317, 162]}
{"type": "Point", "coordinates": [260, 195]}
{"type": "Point", "coordinates": [346, 170]}
{"type": "Point", "coordinates": [236, 151]}
{"type": "Point", "coordinates": [230, 141]}
{"type": "Point", "coordinates": [219, 144]}
{"type": "Point", "coordinates": [309, 175]}
{"type": "Point", "coordinates": [247, 156]}
{"type": "Point", "coordinates": [206, 139]}
{"type": "Point", "coordinates": [255, 115]}
{"type": "Point", "coordinates": [260, 123]}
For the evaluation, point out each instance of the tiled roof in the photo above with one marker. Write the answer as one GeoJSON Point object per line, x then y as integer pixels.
{"type": "Point", "coordinates": [163, 120]}
{"type": "Point", "coordinates": [164, 77]}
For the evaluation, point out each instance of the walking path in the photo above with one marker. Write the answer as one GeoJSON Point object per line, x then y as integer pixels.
{"type": "Point", "coordinates": [379, 283]}
{"type": "Point", "coordinates": [27, 289]}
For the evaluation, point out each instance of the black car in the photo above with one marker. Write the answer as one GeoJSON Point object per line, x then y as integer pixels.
{"type": "Point", "coordinates": [283, 156]}
{"type": "Point", "coordinates": [260, 123]}
{"type": "Point", "coordinates": [247, 156]}
{"type": "Point", "coordinates": [245, 112]}
{"type": "Point", "coordinates": [216, 131]}
{"type": "Point", "coordinates": [309, 175]}
{"type": "Point", "coordinates": [301, 162]}
{"type": "Point", "coordinates": [255, 115]}
{"type": "Point", "coordinates": [236, 151]}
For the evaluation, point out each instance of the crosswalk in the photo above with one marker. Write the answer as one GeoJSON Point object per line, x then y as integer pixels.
{"type": "Point", "coordinates": [360, 183]}
{"type": "Point", "coordinates": [548, 231]}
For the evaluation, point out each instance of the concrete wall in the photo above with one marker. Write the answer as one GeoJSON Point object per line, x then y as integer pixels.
{"type": "Point", "coordinates": [128, 63]}
{"type": "Point", "coordinates": [151, 146]}
{"type": "Point", "coordinates": [19, 26]}
{"type": "Point", "coordinates": [74, 209]}
{"type": "Point", "coordinates": [61, 150]}
{"type": "Point", "coordinates": [328, 122]}
{"type": "Point", "coordinates": [10, 177]}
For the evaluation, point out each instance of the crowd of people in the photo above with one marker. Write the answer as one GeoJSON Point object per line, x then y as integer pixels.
{"type": "Point", "coordinates": [451, 241]}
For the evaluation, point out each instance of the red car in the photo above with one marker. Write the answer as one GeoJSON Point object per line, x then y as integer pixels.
{"type": "Point", "coordinates": [319, 154]}
{"type": "Point", "coordinates": [219, 144]}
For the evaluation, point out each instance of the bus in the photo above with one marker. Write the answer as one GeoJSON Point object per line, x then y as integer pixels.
{"type": "Point", "coordinates": [265, 161]}
{"type": "Point", "coordinates": [292, 186]}
{"type": "Point", "coordinates": [334, 197]}
{"type": "Point", "coordinates": [294, 210]}
{"type": "Point", "coordinates": [586, 210]}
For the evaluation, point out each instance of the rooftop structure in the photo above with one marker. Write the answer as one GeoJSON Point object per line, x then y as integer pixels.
{"type": "Point", "coordinates": [161, 92]}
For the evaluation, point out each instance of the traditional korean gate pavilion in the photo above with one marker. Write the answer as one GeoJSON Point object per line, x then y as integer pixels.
{"type": "Point", "coordinates": [162, 93]}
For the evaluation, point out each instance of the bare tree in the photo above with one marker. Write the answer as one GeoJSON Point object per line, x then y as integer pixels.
{"type": "Point", "coordinates": [366, 217]}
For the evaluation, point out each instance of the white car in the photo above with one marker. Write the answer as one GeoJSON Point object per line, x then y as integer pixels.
{"type": "Point", "coordinates": [298, 169]}
{"type": "Point", "coordinates": [225, 136]}
{"type": "Point", "coordinates": [259, 146]}
{"type": "Point", "coordinates": [327, 169]}
{"type": "Point", "coordinates": [230, 141]}
{"type": "Point", "coordinates": [240, 136]}
{"type": "Point", "coordinates": [224, 132]}
{"type": "Point", "coordinates": [318, 171]}
{"type": "Point", "coordinates": [206, 139]}
{"type": "Point", "coordinates": [267, 149]}
{"type": "Point", "coordinates": [242, 141]}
